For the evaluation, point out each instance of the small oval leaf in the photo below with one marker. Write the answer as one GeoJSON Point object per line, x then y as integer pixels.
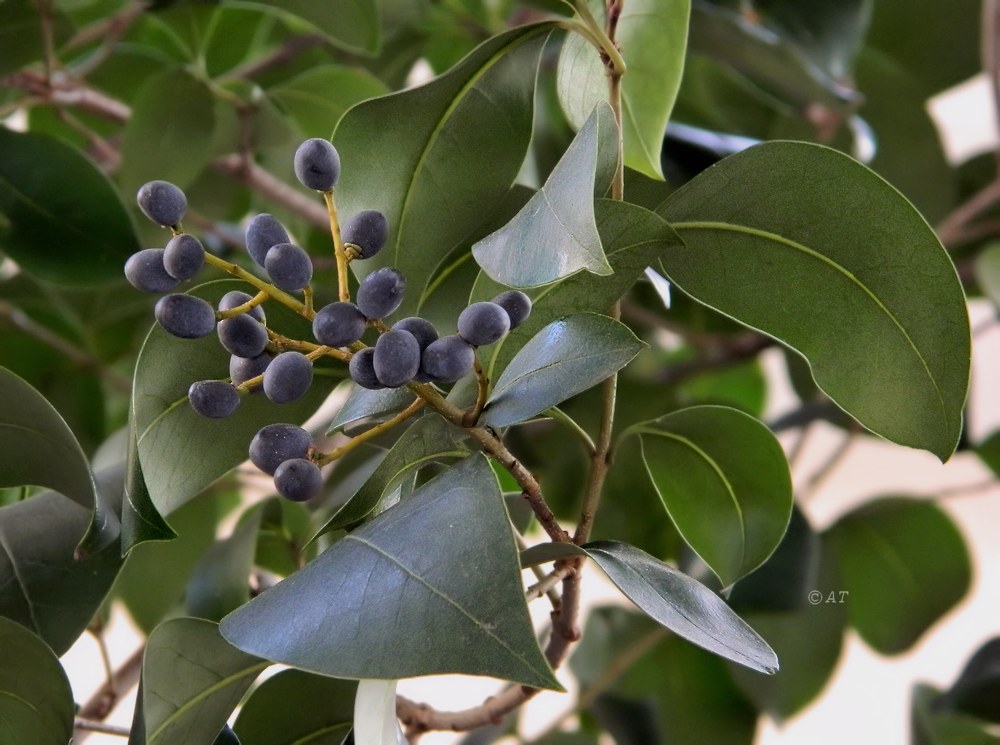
{"type": "Point", "coordinates": [564, 358]}
{"type": "Point", "coordinates": [862, 287]}
{"type": "Point", "coordinates": [724, 480]}
{"type": "Point", "coordinates": [683, 605]}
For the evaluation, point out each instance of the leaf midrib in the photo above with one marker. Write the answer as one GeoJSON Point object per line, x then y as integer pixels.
{"type": "Point", "coordinates": [795, 245]}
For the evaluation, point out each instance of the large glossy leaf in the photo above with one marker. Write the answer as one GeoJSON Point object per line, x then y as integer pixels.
{"type": "Point", "coordinates": [36, 702]}
{"type": "Point", "coordinates": [63, 221]}
{"type": "Point", "coordinates": [653, 39]}
{"type": "Point", "coordinates": [182, 452]}
{"type": "Point", "coordinates": [220, 582]}
{"type": "Point", "coordinates": [897, 588]}
{"type": "Point", "coordinates": [169, 135]}
{"type": "Point", "coordinates": [443, 560]}
{"type": "Point", "coordinates": [428, 440]}
{"type": "Point", "coordinates": [683, 605]}
{"type": "Point", "coordinates": [297, 708]}
{"type": "Point", "coordinates": [317, 98]}
{"type": "Point", "coordinates": [724, 480]}
{"type": "Point", "coordinates": [43, 585]}
{"type": "Point", "coordinates": [191, 682]}
{"type": "Point", "coordinates": [814, 249]}
{"type": "Point", "coordinates": [363, 403]}
{"type": "Point", "coordinates": [633, 238]}
{"type": "Point", "coordinates": [564, 358]}
{"type": "Point", "coordinates": [555, 233]}
{"type": "Point", "coordinates": [350, 24]}
{"type": "Point", "coordinates": [443, 149]}
{"type": "Point", "coordinates": [38, 449]}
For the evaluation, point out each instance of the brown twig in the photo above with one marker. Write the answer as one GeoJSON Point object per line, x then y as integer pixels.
{"type": "Point", "coordinates": [103, 701]}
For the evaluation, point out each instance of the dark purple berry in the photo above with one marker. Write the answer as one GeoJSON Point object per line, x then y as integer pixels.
{"type": "Point", "coordinates": [288, 377]}
{"type": "Point", "coordinates": [241, 369]}
{"type": "Point", "coordinates": [213, 398]}
{"type": "Point", "coordinates": [184, 256]}
{"type": "Point", "coordinates": [317, 164]}
{"type": "Point", "coordinates": [362, 369]}
{"type": "Point", "coordinates": [243, 335]}
{"type": "Point", "coordinates": [263, 232]}
{"type": "Point", "coordinates": [517, 305]}
{"type": "Point", "coordinates": [447, 359]}
{"type": "Point", "coordinates": [162, 202]}
{"type": "Point", "coordinates": [288, 266]}
{"type": "Point", "coordinates": [144, 271]}
{"type": "Point", "coordinates": [381, 292]}
{"type": "Point", "coordinates": [339, 324]}
{"type": "Point", "coordinates": [397, 358]}
{"type": "Point", "coordinates": [368, 230]}
{"type": "Point", "coordinates": [186, 316]}
{"type": "Point", "coordinates": [422, 329]}
{"type": "Point", "coordinates": [235, 298]}
{"type": "Point", "coordinates": [276, 443]}
{"type": "Point", "coordinates": [298, 479]}
{"type": "Point", "coordinates": [483, 323]}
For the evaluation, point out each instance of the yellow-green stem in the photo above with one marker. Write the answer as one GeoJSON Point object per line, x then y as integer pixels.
{"type": "Point", "coordinates": [372, 433]}
{"type": "Point", "coordinates": [482, 389]}
{"type": "Point", "coordinates": [338, 246]}
{"type": "Point", "coordinates": [249, 305]}
{"type": "Point", "coordinates": [237, 271]}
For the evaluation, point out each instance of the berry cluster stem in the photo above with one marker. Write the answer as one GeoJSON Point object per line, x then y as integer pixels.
{"type": "Point", "coordinates": [249, 305]}
{"type": "Point", "coordinates": [375, 431]}
{"type": "Point", "coordinates": [237, 271]}
{"type": "Point", "coordinates": [339, 251]}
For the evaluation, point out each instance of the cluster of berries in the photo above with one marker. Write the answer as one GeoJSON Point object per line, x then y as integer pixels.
{"type": "Point", "coordinates": [409, 351]}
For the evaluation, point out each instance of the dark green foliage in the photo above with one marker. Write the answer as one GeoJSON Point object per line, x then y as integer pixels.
{"type": "Point", "coordinates": [396, 359]}
{"type": "Point", "coordinates": [183, 256]}
{"type": "Point", "coordinates": [517, 305]}
{"type": "Point", "coordinates": [362, 369]}
{"type": "Point", "coordinates": [298, 479]}
{"type": "Point", "coordinates": [339, 324]}
{"type": "Point", "coordinates": [276, 443]}
{"type": "Point", "coordinates": [447, 359]}
{"type": "Point", "coordinates": [381, 292]}
{"type": "Point", "coordinates": [317, 164]}
{"type": "Point", "coordinates": [186, 316]}
{"type": "Point", "coordinates": [264, 231]}
{"type": "Point", "coordinates": [287, 377]}
{"type": "Point", "coordinates": [162, 202]}
{"type": "Point", "coordinates": [215, 399]}
{"type": "Point", "coordinates": [288, 266]}
{"type": "Point", "coordinates": [483, 323]}
{"type": "Point", "coordinates": [368, 230]}
{"type": "Point", "coordinates": [145, 271]}
{"type": "Point", "coordinates": [242, 335]}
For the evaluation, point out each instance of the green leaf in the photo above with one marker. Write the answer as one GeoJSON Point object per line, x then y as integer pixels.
{"type": "Point", "coordinates": [428, 440]}
{"type": "Point", "coordinates": [317, 98]}
{"type": "Point", "coordinates": [555, 233]}
{"type": "Point", "coordinates": [171, 562]}
{"type": "Point", "coordinates": [398, 573]}
{"type": "Point", "coordinates": [975, 691]}
{"type": "Point", "coordinates": [350, 24]}
{"type": "Point", "coordinates": [21, 36]}
{"type": "Point", "coordinates": [220, 582]}
{"type": "Point", "coordinates": [724, 480]}
{"type": "Point", "coordinates": [365, 403]}
{"type": "Point", "coordinates": [140, 520]}
{"type": "Point", "coordinates": [400, 156]}
{"type": "Point", "coordinates": [169, 135]}
{"type": "Point", "coordinates": [565, 358]}
{"type": "Point", "coordinates": [191, 682]}
{"type": "Point", "coordinates": [987, 268]}
{"type": "Point", "coordinates": [182, 452]}
{"type": "Point", "coordinates": [43, 585]}
{"type": "Point", "coordinates": [60, 218]}
{"type": "Point", "coordinates": [295, 708]}
{"type": "Point", "coordinates": [808, 642]}
{"type": "Point", "coordinates": [862, 288]}
{"type": "Point", "coordinates": [829, 32]}
{"type": "Point", "coordinates": [683, 605]}
{"type": "Point", "coordinates": [36, 702]}
{"type": "Point", "coordinates": [633, 238]}
{"type": "Point", "coordinates": [772, 62]}
{"type": "Point", "coordinates": [897, 588]}
{"type": "Point", "coordinates": [653, 38]}
{"type": "Point", "coordinates": [932, 726]}
{"type": "Point", "coordinates": [38, 449]}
